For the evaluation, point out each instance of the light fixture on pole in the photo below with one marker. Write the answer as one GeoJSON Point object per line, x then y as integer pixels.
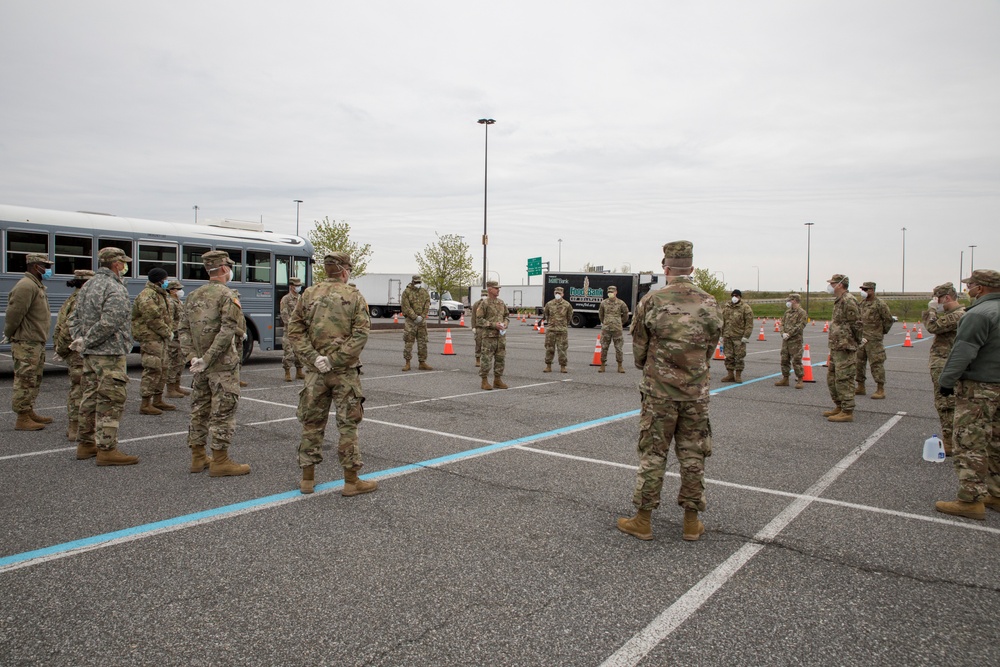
{"type": "Point", "coordinates": [809, 226]}
{"type": "Point", "coordinates": [758, 277]}
{"type": "Point", "coordinates": [485, 122]}
{"type": "Point", "coordinates": [297, 202]}
{"type": "Point", "coordinates": [972, 259]}
{"type": "Point", "coordinates": [903, 286]}
{"type": "Point", "coordinates": [560, 254]}
{"type": "Point", "coordinates": [195, 207]}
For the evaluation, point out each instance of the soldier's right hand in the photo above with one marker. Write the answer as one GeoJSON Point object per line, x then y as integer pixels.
{"type": "Point", "coordinates": [784, 336]}
{"type": "Point", "coordinates": [198, 365]}
{"type": "Point", "coordinates": [76, 345]}
{"type": "Point", "coordinates": [56, 358]}
{"type": "Point", "coordinates": [932, 304]}
{"type": "Point", "coordinates": [420, 318]}
{"type": "Point", "coordinates": [323, 364]}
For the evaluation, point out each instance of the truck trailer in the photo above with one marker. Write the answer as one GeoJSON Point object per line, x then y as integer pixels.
{"type": "Point", "coordinates": [586, 291]}
{"type": "Point", "coordinates": [523, 298]}
{"type": "Point", "coordinates": [384, 294]}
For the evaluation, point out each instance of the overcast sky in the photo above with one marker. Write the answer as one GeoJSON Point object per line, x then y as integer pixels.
{"type": "Point", "coordinates": [619, 126]}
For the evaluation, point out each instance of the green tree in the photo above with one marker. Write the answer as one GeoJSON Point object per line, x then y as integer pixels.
{"type": "Point", "coordinates": [332, 236]}
{"type": "Point", "coordinates": [706, 280]}
{"type": "Point", "coordinates": [446, 264]}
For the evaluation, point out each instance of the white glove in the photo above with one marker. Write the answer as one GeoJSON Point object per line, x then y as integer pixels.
{"type": "Point", "coordinates": [745, 340]}
{"type": "Point", "coordinates": [895, 319]}
{"type": "Point", "coordinates": [323, 364]}
{"type": "Point", "coordinates": [76, 345]}
{"type": "Point", "coordinates": [784, 336]}
{"type": "Point", "coordinates": [420, 318]}
{"type": "Point", "coordinates": [198, 365]}
{"type": "Point", "coordinates": [244, 335]}
{"type": "Point", "coordinates": [864, 341]}
{"type": "Point", "coordinates": [3, 340]}
{"type": "Point", "coordinates": [56, 358]}
{"type": "Point", "coordinates": [932, 304]}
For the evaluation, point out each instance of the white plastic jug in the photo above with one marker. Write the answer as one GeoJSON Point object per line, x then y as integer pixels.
{"type": "Point", "coordinates": [934, 449]}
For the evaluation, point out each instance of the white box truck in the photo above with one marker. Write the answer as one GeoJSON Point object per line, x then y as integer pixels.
{"type": "Point", "coordinates": [384, 294]}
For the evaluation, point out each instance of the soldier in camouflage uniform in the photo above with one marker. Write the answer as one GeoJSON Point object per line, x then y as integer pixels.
{"type": "Point", "coordinates": [61, 340]}
{"type": "Point", "coordinates": [674, 333]}
{"type": "Point", "coordinates": [941, 319]}
{"type": "Point", "coordinates": [876, 321]}
{"type": "Point", "coordinates": [737, 326]}
{"type": "Point", "coordinates": [27, 328]}
{"type": "Point", "coordinates": [613, 313]}
{"type": "Point", "coordinates": [557, 314]}
{"type": "Point", "coordinates": [329, 329]}
{"type": "Point", "coordinates": [152, 327]}
{"type": "Point", "coordinates": [175, 357]}
{"type": "Point", "coordinates": [972, 375]}
{"type": "Point", "coordinates": [476, 330]}
{"type": "Point", "coordinates": [288, 356]}
{"type": "Point", "coordinates": [102, 332]}
{"type": "Point", "coordinates": [415, 304]}
{"type": "Point", "coordinates": [492, 319]}
{"type": "Point", "coordinates": [793, 324]}
{"type": "Point", "coordinates": [212, 328]}
{"type": "Point", "coordinates": [845, 336]}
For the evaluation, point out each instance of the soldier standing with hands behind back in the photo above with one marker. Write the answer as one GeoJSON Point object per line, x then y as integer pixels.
{"type": "Point", "coordinates": [27, 328]}
{"type": "Point", "coordinates": [152, 326]}
{"type": "Point", "coordinates": [61, 340]}
{"type": "Point", "coordinates": [737, 326]}
{"type": "Point", "coordinates": [415, 304]}
{"type": "Point", "coordinates": [876, 321]}
{"type": "Point", "coordinates": [287, 307]}
{"type": "Point", "coordinates": [175, 358]}
{"type": "Point", "coordinates": [613, 313]}
{"type": "Point", "coordinates": [844, 336]}
{"type": "Point", "coordinates": [492, 319]}
{"type": "Point", "coordinates": [476, 330]}
{"type": "Point", "coordinates": [557, 314]}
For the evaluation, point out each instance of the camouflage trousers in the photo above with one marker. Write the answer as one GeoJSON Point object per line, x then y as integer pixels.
{"type": "Point", "coordinates": [415, 332]}
{"type": "Point", "coordinates": [105, 379]}
{"type": "Point", "coordinates": [288, 356]}
{"type": "Point", "coordinates": [479, 343]}
{"type": "Point", "coordinates": [840, 378]}
{"type": "Point", "coordinates": [154, 362]}
{"type": "Point", "coordinates": [874, 353]}
{"type": "Point", "coordinates": [342, 389]}
{"type": "Point", "coordinates": [29, 361]}
{"type": "Point", "coordinates": [686, 424]}
{"type": "Point", "coordinates": [945, 405]}
{"type": "Point", "coordinates": [556, 341]}
{"type": "Point", "coordinates": [214, 399]}
{"type": "Point", "coordinates": [175, 362]}
{"type": "Point", "coordinates": [791, 357]}
{"type": "Point", "coordinates": [75, 364]}
{"type": "Point", "coordinates": [607, 336]}
{"type": "Point", "coordinates": [493, 355]}
{"type": "Point", "coordinates": [736, 353]}
{"type": "Point", "coordinates": [977, 439]}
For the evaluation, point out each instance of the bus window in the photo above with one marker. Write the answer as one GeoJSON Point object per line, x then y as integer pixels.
{"type": "Point", "coordinates": [281, 273]}
{"type": "Point", "coordinates": [235, 254]}
{"type": "Point", "coordinates": [299, 270]}
{"type": "Point", "coordinates": [258, 266]}
{"type": "Point", "coordinates": [192, 267]}
{"type": "Point", "coordinates": [19, 244]}
{"type": "Point", "coordinates": [74, 252]}
{"type": "Point", "coordinates": [152, 256]}
{"type": "Point", "coordinates": [126, 247]}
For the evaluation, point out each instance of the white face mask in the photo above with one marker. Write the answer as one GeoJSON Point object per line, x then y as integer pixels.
{"type": "Point", "coordinates": [736, 299]}
{"type": "Point", "coordinates": [829, 289]}
{"type": "Point", "coordinates": [124, 270]}
{"type": "Point", "coordinates": [180, 294]}
{"type": "Point", "coordinates": [788, 304]}
{"type": "Point", "coordinates": [939, 307]}
{"type": "Point", "coordinates": [558, 296]}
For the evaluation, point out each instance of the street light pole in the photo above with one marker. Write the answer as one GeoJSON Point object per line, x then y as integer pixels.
{"type": "Point", "coordinates": [961, 267]}
{"type": "Point", "coordinates": [297, 202]}
{"type": "Point", "coordinates": [758, 277]}
{"type": "Point", "coordinates": [485, 122]}
{"type": "Point", "coordinates": [195, 207]}
{"type": "Point", "coordinates": [903, 287]}
{"type": "Point", "coordinates": [972, 259]}
{"type": "Point", "coordinates": [809, 226]}
{"type": "Point", "coordinates": [560, 254]}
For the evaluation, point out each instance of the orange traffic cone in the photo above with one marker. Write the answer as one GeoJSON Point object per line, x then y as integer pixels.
{"type": "Point", "coordinates": [541, 327]}
{"type": "Point", "coordinates": [461, 321]}
{"type": "Point", "coordinates": [907, 342]}
{"type": "Point", "coordinates": [826, 327]}
{"type": "Point", "coordinates": [448, 349]}
{"type": "Point", "coordinates": [777, 329]}
{"type": "Point", "coordinates": [807, 366]}
{"type": "Point", "coordinates": [536, 325]}
{"type": "Point", "coordinates": [920, 333]}
{"type": "Point", "coordinates": [904, 326]}
{"type": "Point", "coordinates": [395, 318]}
{"type": "Point", "coordinates": [597, 353]}
{"type": "Point", "coordinates": [761, 336]}
{"type": "Point", "coordinates": [718, 352]}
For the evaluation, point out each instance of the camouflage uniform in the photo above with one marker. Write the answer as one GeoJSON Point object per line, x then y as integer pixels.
{"type": "Point", "coordinates": [613, 313]}
{"type": "Point", "coordinates": [737, 324]}
{"type": "Point", "coordinates": [944, 326]}
{"type": "Point", "coordinates": [844, 337]}
{"type": "Point", "coordinates": [212, 328]}
{"type": "Point", "coordinates": [61, 340]}
{"type": "Point", "coordinates": [674, 333]}
{"type": "Point", "coordinates": [152, 327]}
{"type": "Point", "coordinates": [793, 323]}
{"type": "Point", "coordinates": [27, 327]}
{"type": "Point", "coordinates": [175, 357]}
{"type": "Point", "coordinates": [876, 321]}
{"type": "Point", "coordinates": [416, 302]}
{"type": "Point", "coordinates": [476, 330]}
{"type": "Point", "coordinates": [973, 370]}
{"type": "Point", "coordinates": [331, 320]}
{"type": "Point", "coordinates": [494, 353]}
{"type": "Point", "coordinates": [557, 314]}
{"type": "Point", "coordinates": [287, 307]}
{"type": "Point", "coordinates": [102, 318]}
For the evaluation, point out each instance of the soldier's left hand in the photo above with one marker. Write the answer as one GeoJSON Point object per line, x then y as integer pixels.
{"type": "Point", "coordinates": [784, 336]}
{"type": "Point", "coordinates": [745, 340]}
{"type": "Point", "coordinates": [946, 391]}
{"type": "Point", "coordinates": [323, 364]}
{"type": "Point", "coordinates": [76, 345]}
{"type": "Point", "coordinates": [420, 318]}
{"type": "Point", "coordinates": [244, 335]}
{"type": "Point", "coordinates": [198, 365]}
{"type": "Point", "coordinates": [864, 341]}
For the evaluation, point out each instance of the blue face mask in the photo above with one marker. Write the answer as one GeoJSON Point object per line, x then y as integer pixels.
{"type": "Point", "coordinates": [48, 274]}
{"type": "Point", "coordinates": [164, 284]}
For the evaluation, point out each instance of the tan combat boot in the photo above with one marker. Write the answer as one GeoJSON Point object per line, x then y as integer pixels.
{"type": "Point", "coordinates": [830, 413]}
{"type": "Point", "coordinates": [879, 392]}
{"type": "Point", "coordinates": [299, 375]}
{"type": "Point", "coordinates": [160, 404]}
{"type": "Point", "coordinates": [486, 384]}
{"type": "Point", "coordinates": [601, 369]}
{"type": "Point", "coordinates": [992, 502]}
{"type": "Point", "coordinates": [620, 368]}
{"type": "Point", "coordinates": [975, 510]}
{"type": "Point", "coordinates": [860, 390]}
{"type": "Point", "coordinates": [147, 407]}
{"type": "Point", "coordinates": [84, 452]}
{"type": "Point", "coordinates": [498, 382]}
{"type": "Point", "coordinates": [693, 528]}
{"type": "Point", "coordinates": [115, 457]}
{"type": "Point", "coordinates": [477, 362]}
{"type": "Point", "coordinates": [842, 416]}
{"type": "Point", "coordinates": [35, 417]}
{"type": "Point", "coordinates": [354, 486]}
{"type": "Point", "coordinates": [729, 377]}
{"type": "Point", "coordinates": [798, 383]}
{"type": "Point", "coordinates": [406, 366]}
{"type": "Point", "coordinates": [308, 483]}
{"type": "Point", "coordinates": [739, 377]}
{"type": "Point", "coordinates": [72, 430]}
{"type": "Point", "coordinates": [288, 375]}
{"type": "Point", "coordinates": [424, 367]}
{"type": "Point", "coordinates": [783, 382]}
{"type": "Point", "coordinates": [637, 526]}
{"type": "Point", "coordinates": [548, 368]}
{"type": "Point", "coordinates": [244, 384]}
{"type": "Point", "coordinates": [223, 466]}
{"type": "Point", "coordinates": [26, 423]}
{"type": "Point", "coordinates": [199, 461]}
{"type": "Point", "coordinates": [175, 390]}
{"type": "Point", "coordinates": [562, 369]}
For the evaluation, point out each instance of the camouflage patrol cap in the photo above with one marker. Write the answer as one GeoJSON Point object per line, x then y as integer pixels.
{"type": "Point", "coordinates": [338, 259]}
{"type": "Point", "coordinates": [945, 289]}
{"type": "Point", "coordinates": [295, 281]}
{"type": "Point", "coordinates": [111, 254]}
{"type": "Point", "coordinates": [38, 258]}
{"type": "Point", "coordinates": [794, 296]}
{"type": "Point", "coordinates": [678, 254]}
{"type": "Point", "coordinates": [174, 284]}
{"type": "Point", "coordinates": [839, 278]}
{"type": "Point", "coordinates": [558, 290]}
{"type": "Point", "coordinates": [213, 259]}
{"type": "Point", "coordinates": [83, 274]}
{"type": "Point", "coordinates": [984, 277]}
{"type": "Point", "coordinates": [416, 280]}
{"type": "Point", "coordinates": [868, 285]}
{"type": "Point", "coordinates": [612, 290]}
{"type": "Point", "coordinates": [492, 283]}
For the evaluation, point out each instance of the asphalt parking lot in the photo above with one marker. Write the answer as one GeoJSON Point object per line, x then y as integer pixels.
{"type": "Point", "coordinates": [491, 539]}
